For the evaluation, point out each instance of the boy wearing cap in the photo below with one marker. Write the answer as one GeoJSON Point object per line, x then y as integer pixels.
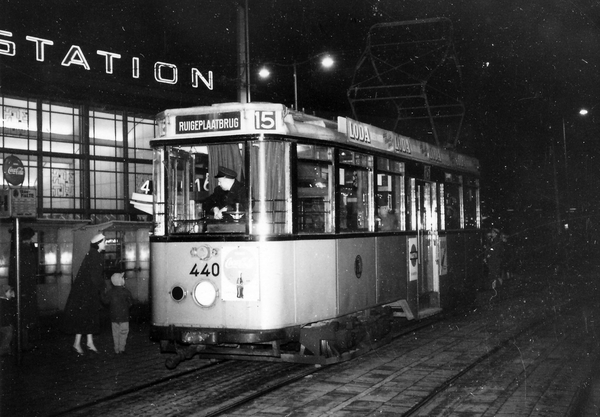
{"type": "Point", "coordinates": [227, 194]}
{"type": "Point", "coordinates": [119, 300]}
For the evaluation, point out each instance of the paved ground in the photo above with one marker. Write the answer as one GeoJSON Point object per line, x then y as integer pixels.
{"type": "Point", "coordinates": [543, 372]}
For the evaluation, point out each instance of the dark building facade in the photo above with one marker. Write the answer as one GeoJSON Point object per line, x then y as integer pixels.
{"type": "Point", "coordinates": [80, 84]}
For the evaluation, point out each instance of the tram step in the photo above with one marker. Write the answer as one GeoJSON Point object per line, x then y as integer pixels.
{"type": "Point", "coordinates": [401, 309]}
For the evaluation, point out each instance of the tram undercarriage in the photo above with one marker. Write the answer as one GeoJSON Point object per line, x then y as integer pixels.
{"type": "Point", "coordinates": [319, 343]}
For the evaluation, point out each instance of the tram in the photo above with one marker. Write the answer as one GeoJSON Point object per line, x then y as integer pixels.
{"type": "Point", "coordinates": [340, 227]}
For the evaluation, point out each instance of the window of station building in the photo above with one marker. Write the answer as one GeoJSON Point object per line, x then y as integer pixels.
{"type": "Point", "coordinates": [390, 196]}
{"type": "Point", "coordinates": [61, 185]}
{"type": "Point", "coordinates": [106, 134]}
{"type": "Point", "coordinates": [61, 129]}
{"type": "Point", "coordinates": [314, 174]}
{"type": "Point", "coordinates": [140, 178]}
{"type": "Point", "coordinates": [140, 131]}
{"type": "Point", "coordinates": [106, 185]}
{"type": "Point", "coordinates": [18, 124]}
{"type": "Point", "coordinates": [354, 192]}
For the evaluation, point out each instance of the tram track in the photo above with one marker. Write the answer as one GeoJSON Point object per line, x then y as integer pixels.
{"type": "Point", "coordinates": [228, 384]}
{"type": "Point", "coordinates": [503, 348]}
{"type": "Point", "coordinates": [441, 388]}
{"type": "Point", "coordinates": [132, 390]}
{"type": "Point", "coordinates": [221, 387]}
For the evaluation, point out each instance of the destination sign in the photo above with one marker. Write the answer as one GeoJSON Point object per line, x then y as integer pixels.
{"type": "Point", "coordinates": [205, 123]}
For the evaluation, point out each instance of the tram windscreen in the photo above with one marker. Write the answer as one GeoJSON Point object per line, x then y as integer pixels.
{"type": "Point", "coordinates": [210, 189]}
{"type": "Point", "coordinates": [196, 178]}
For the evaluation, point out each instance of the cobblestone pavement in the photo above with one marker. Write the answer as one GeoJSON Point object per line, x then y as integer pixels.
{"type": "Point", "coordinates": [543, 371]}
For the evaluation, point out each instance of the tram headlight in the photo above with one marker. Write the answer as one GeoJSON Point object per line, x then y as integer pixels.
{"type": "Point", "coordinates": [205, 293]}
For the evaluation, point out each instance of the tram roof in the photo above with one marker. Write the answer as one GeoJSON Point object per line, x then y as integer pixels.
{"type": "Point", "coordinates": [235, 119]}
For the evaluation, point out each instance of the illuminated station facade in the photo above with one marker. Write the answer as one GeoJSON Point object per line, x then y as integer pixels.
{"type": "Point", "coordinates": [76, 122]}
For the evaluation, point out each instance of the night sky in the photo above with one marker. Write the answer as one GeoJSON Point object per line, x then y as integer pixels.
{"type": "Point", "coordinates": [526, 65]}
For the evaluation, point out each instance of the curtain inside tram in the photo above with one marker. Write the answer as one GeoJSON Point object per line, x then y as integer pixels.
{"type": "Point", "coordinates": [229, 155]}
{"type": "Point", "coordinates": [271, 160]}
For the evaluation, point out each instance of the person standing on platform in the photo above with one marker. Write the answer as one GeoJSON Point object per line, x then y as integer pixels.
{"type": "Point", "coordinates": [82, 310]}
{"type": "Point", "coordinates": [8, 311]}
{"type": "Point", "coordinates": [27, 285]}
{"type": "Point", "coordinates": [120, 301]}
{"type": "Point", "coordinates": [494, 257]}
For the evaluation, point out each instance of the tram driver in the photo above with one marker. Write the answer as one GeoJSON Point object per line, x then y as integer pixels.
{"type": "Point", "coordinates": [229, 196]}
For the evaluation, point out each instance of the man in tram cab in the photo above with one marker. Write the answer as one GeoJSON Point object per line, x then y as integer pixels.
{"type": "Point", "coordinates": [229, 196]}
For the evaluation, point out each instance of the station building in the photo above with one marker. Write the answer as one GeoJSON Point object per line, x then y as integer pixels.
{"type": "Point", "coordinates": [77, 111]}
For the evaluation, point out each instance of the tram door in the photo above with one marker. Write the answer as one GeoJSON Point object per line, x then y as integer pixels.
{"type": "Point", "coordinates": [428, 240]}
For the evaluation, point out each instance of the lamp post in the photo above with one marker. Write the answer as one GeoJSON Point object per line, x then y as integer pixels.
{"type": "Point", "coordinates": [568, 193]}
{"type": "Point", "coordinates": [326, 62]}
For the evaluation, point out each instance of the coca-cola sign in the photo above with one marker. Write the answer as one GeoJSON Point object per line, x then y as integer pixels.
{"type": "Point", "coordinates": [14, 171]}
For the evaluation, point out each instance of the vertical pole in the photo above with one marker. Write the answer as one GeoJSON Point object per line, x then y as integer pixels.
{"type": "Point", "coordinates": [567, 191]}
{"type": "Point", "coordinates": [556, 194]}
{"type": "Point", "coordinates": [295, 88]}
{"type": "Point", "coordinates": [243, 55]}
{"type": "Point", "coordinates": [247, 43]}
{"type": "Point", "coordinates": [17, 235]}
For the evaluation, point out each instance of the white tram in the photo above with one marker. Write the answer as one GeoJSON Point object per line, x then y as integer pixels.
{"type": "Point", "coordinates": [313, 268]}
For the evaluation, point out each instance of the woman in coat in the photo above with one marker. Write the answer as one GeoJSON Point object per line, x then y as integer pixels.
{"type": "Point", "coordinates": [82, 311]}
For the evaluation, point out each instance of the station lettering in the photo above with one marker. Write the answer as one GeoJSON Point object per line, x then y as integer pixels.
{"type": "Point", "coordinates": [164, 72]}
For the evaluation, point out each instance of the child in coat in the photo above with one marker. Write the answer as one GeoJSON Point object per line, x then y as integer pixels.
{"type": "Point", "coordinates": [119, 300]}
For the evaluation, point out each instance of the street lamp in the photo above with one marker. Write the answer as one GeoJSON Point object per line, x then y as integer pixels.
{"type": "Point", "coordinates": [326, 62]}
{"type": "Point", "coordinates": [568, 191]}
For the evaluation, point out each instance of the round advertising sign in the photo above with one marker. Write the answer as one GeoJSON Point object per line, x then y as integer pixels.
{"type": "Point", "coordinates": [14, 171]}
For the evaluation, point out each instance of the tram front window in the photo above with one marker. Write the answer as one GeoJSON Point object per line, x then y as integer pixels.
{"type": "Point", "coordinates": [205, 189]}
{"type": "Point", "coordinates": [209, 191]}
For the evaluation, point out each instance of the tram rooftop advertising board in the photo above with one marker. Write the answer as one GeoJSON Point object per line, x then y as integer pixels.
{"type": "Point", "coordinates": [276, 119]}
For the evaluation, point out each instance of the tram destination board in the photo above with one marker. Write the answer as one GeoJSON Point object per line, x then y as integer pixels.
{"type": "Point", "coordinates": [201, 123]}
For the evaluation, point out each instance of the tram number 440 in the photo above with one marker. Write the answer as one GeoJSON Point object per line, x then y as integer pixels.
{"type": "Point", "coordinates": [206, 270]}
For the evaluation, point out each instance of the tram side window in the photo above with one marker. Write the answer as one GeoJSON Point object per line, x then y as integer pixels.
{"type": "Point", "coordinates": [315, 182]}
{"type": "Point", "coordinates": [354, 192]}
{"type": "Point", "coordinates": [390, 196]}
{"type": "Point", "coordinates": [471, 204]}
{"type": "Point", "coordinates": [411, 205]}
{"type": "Point", "coordinates": [452, 206]}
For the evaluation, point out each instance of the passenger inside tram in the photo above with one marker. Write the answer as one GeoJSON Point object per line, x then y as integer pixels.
{"type": "Point", "coordinates": [386, 220]}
